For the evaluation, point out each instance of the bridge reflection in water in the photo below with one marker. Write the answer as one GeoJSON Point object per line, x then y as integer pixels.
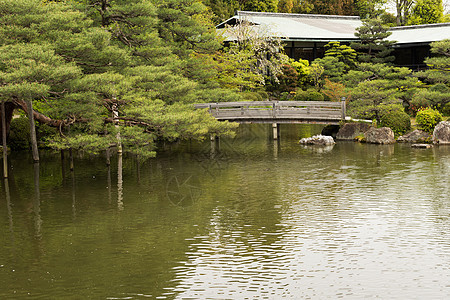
{"type": "Point", "coordinates": [278, 112]}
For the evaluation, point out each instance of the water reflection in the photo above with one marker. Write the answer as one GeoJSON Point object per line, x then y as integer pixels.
{"type": "Point", "coordinates": [9, 207]}
{"type": "Point", "coordinates": [232, 220]}
{"type": "Point", "coordinates": [37, 203]}
{"type": "Point", "coordinates": [120, 181]}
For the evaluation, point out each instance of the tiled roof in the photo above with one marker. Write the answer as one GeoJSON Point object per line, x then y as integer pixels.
{"type": "Point", "coordinates": [420, 33]}
{"type": "Point", "coordinates": [300, 26]}
{"type": "Point", "coordinates": [303, 27]}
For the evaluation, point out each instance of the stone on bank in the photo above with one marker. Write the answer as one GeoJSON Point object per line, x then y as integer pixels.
{"type": "Point", "coordinates": [320, 140]}
{"type": "Point", "coordinates": [416, 136]}
{"type": "Point", "coordinates": [350, 131]}
{"type": "Point", "coordinates": [441, 133]}
{"type": "Point", "coordinates": [383, 135]}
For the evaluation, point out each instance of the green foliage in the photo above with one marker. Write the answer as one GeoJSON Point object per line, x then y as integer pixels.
{"type": "Point", "coordinates": [446, 110]}
{"type": "Point", "coordinates": [19, 134]}
{"type": "Point", "coordinates": [303, 71]}
{"type": "Point", "coordinates": [81, 61]}
{"type": "Point", "coordinates": [333, 69]}
{"type": "Point", "coordinates": [373, 44]}
{"type": "Point", "coordinates": [316, 72]}
{"type": "Point", "coordinates": [288, 80]}
{"type": "Point", "coordinates": [344, 53]}
{"type": "Point", "coordinates": [368, 9]}
{"type": "Point", "coordinates": [308, 95]}
{"type": "Point", "coordinates": [254, 96]}
{"type": "Point", "coordinates": [235, 69]}
{"type": "Point", "coordinates": [260, 5]}
{"type": "Point", "coordinates": [439, 64]}
{"type": "Point", "coordinates": [285, 6]}
{"type": "Point", "coordinates": [221, 9]}
{"type": "Point", "coordinates": [374, 85]}
{"type": "Point", "coordinates": [419, 101]}
{"type": "Point", "coordinates": [377, 81]}
{"type": "Point", "coordinates": [436, 96]}
{"type": "Point", "coordinates": [426, 12]}
{"type": "Point", "coordinates": [394, 117]}
{"type": "Point", "coordinates": [427, 119]}
{"type": "Point", "coordinates": [333, 7]}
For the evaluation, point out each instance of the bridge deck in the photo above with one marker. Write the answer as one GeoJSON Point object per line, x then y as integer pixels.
{"type": "Point", "coordinates": [278, 111]}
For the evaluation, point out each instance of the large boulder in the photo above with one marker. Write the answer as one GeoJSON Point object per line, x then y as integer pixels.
{"type": "Point", "coordinates": [383, 135]}
{"type": "Point", "coordinates": [441, 133]}
{"type": "Point", "coordinates": [321, 140]}
{"type": "Point", "coordinates": [350, 131]}
{"type": "Point", "coordinates": [416, 136]}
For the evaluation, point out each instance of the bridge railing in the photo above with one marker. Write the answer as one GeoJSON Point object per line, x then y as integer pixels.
{"type": "Point", "coordinates": [276, 110]}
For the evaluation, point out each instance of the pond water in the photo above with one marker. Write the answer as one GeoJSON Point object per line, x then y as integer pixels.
{"type": "Point", "coordinates": [243, 218]}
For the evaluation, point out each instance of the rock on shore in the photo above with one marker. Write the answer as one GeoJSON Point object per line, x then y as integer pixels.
{"type": "Point", "coordinates": [383, 135]}
{"type": "Point", "coordinates": [350, 131]}
{"type": "Point", "coordinates": [321, 140]}
{"type": "Point", "coordinates": [416, 136]}
{"type": "Point", "coordinates": [441, 133]}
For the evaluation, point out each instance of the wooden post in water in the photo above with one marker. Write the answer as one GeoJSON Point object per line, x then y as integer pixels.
{"type": "Point", "coordinates": [5, 148]}
{"type": "Point", "coordinates": [275, 131]}
{"type": "Point", "coordinates": [33, 138]}
{"type": "Point", "coordinates": [116, 122]}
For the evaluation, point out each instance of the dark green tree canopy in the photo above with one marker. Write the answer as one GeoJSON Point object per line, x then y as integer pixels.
{"type": "Point", "coordinates": [102, 69]}
{"type": "Point", "coordinates": [373, 45]}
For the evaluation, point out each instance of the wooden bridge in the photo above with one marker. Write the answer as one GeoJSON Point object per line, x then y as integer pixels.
{"type": "Point", "coordinates": [278, 112]}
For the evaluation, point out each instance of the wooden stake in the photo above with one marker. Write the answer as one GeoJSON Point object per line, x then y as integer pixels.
{"type": "Point", "coordinates": [33, 138]}
{"type": "Point", "coordinates": [275, 131]}
{"type": "Point", "coordinates": [5, 149]}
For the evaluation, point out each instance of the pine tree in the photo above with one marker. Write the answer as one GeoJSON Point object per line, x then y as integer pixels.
{"type": "Point", "coordinates": [375, 48]}
{"type": "Point", "coordinates": [96, 72]}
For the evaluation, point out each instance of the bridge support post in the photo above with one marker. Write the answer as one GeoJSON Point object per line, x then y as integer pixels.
{"type": "Point", "coordinates": [343, 108]}
{"type": "Point", "coordinates": [275, 131]}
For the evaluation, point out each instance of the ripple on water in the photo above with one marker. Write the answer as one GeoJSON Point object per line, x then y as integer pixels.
{"type": "Point", "coordinates": [349, 235]}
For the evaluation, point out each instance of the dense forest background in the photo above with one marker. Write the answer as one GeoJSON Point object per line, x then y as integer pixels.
{"type": "Point", "coordinates": [392, 12]}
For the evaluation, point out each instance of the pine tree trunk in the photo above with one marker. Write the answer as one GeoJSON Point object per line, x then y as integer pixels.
{"type": "Point", "coordinates": [9, 111]}
{"type": "Point", "coordinates": [33, 138]}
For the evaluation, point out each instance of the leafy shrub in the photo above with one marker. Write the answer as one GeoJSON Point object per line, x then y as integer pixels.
{"type": "Point", "coordinates": [263, 95]}
{"type": "Point", "coordinates": [252, 96]}
{"type": "Point", "coordinates": [418, 102]}
{"type": "Point", "coordinates": [19, 134]}
{"type": "Point", "coordinates": [427, 119]}
{"type": "Point", "coordinates": [333, 91]}
{"type": "Point", "coordinates": [309, 95]}
{"type": "Point", "coordinates": [394, 117]}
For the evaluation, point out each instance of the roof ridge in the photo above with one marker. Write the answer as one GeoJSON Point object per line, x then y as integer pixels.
{"type": "Point", "coordinates": [419, 26]}
{"type": "Point", "coordinates": [311, 16]}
